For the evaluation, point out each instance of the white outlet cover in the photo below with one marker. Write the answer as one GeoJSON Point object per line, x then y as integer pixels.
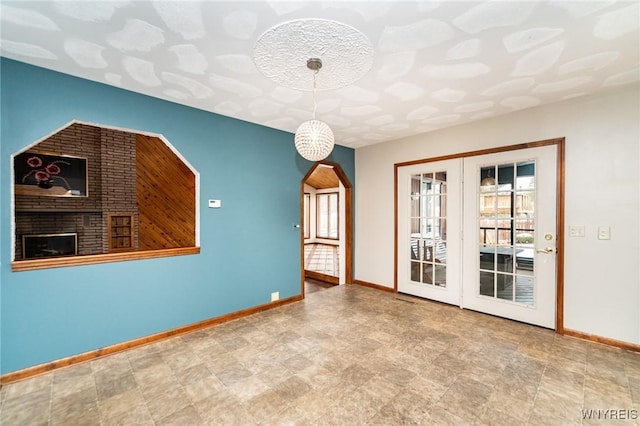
{"type": "Point", "coordinates": [576, 231]}
{"type": "Point", "coordinates": [215, 204]}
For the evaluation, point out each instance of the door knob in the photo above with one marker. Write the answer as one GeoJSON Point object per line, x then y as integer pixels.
{"type": "Point", "coordinates": [546, 250]}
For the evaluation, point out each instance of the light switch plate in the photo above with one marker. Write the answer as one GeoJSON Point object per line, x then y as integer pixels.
{"type": "Point", "coordinates": [604, 233]}
{"type": "Point", "coordinates": [215, 204]}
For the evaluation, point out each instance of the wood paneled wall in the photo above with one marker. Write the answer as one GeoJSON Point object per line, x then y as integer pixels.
{"type": "Point", "coordinates": [166, 197]}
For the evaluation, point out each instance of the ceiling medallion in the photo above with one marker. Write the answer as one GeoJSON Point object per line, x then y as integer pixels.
{"type": "Point", "coordinates": [281, 54]}
{"type": "Point", "coordinates": [285, 54]}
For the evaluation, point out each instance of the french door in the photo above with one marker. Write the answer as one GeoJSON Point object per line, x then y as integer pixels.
{"type": "Point", "coordinates": [480, 232]}
{"type": "Point", "coordinates": [509, 225]}
{"type": "Point", "coordinates": [429, 200]}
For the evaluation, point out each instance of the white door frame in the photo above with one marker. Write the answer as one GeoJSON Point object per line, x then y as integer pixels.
{"type": "Point", "coordinates": [559, 143]}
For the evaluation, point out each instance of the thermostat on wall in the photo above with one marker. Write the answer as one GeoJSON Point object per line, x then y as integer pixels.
{"type": "Point", "coordinates": [215, 204]}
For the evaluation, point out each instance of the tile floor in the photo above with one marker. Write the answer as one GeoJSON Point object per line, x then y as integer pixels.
{"type": "Point", "coordinates": [346, 355]}
{"type": "Point", "coordinates": [322, 258]}
{"type": "Point", "coordinates": [311, 285]}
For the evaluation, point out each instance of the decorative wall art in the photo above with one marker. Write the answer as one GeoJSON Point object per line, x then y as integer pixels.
{"type": "Point", "coordinates": [53, 175]}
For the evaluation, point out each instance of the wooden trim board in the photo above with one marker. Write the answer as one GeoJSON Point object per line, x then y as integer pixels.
{"type": "Point", "coordinates": [375, 286]}
{"type": "Point", "coordinates": [603, 340]}
{"type": "Point", "coordinates": [321, 277]}
{"type": "Point", "coordinates": [92, 259]}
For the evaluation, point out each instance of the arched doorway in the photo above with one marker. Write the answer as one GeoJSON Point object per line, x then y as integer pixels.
{"type": "Point", "coordinates": [325, 190]}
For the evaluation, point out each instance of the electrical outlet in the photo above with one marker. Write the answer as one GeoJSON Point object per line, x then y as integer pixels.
{"type": "Point", "coordinates": [275, 296]}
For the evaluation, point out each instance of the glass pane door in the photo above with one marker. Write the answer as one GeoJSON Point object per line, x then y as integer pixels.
{"type": "Point", "coordinates": [510, 228]}
{"type": "Point", "coordinates": [429, 230]}
{"type": "Point", "coordinates": [506, 224]}
{"type": "Point", "coordinates": [428, 220]}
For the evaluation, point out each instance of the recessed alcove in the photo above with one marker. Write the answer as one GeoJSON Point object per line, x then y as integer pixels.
{"type": "Point", "coordinates": [136, 198]}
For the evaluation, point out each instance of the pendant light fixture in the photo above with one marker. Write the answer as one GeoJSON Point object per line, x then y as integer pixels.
{"type": "Point", "coordinates": [314, 139]}
{"type": "Point", "coordinates": [489, 180]}
{"type": "Point", "coordinates": [280, 54]}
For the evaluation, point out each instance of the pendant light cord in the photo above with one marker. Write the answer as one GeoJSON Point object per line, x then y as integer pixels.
{"type": "Point", "coordinates": [314, 93]}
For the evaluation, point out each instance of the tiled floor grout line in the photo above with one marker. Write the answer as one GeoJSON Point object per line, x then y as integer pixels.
{"type": "Point", "coordinates": [535, 397]}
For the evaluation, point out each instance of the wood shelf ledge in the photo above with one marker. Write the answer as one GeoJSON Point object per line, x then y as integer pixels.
{"type": "Point", "coordinates": [58, 211]}
{"type": "Point", "coordinates": [92, 259]}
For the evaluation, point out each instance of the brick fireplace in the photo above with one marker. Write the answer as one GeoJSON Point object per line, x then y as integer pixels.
{"type": "Point", "coordinates": [49, 245]}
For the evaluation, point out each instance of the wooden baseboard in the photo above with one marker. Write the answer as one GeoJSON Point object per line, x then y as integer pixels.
{"type": "Point", "coordinates": [321, 277]}
{"type": "Point", "coordinates": [119, 347]}
{"type": "Point", "coordinates": [603, 340]}
{"type": "Point", "coordinates": [376, 286]}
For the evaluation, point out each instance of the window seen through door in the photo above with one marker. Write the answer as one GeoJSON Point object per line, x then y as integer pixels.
{"type": "Point", "coordinates": [307, 216]}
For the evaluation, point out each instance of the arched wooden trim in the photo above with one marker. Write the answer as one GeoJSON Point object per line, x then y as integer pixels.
{"type": "Point", "coordinates": [348, 212]}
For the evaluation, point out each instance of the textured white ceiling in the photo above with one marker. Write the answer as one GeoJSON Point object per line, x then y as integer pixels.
{"type": "Point", "coordinates": [436, 64]}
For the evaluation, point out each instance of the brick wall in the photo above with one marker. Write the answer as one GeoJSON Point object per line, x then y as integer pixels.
{"type": "Point", "coordinates": [89, 235]}
{"type": "Point", "coordinates": [111, 172]}
{"type": "Point", "coordinates": [77, 140]}
{"type": "Point", "coordinates": [118, 176]}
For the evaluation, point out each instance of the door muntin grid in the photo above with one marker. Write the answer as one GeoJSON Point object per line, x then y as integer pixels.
{"type": "Point", "coordinates": [428, 229]}
{"type": "Point", "coordinates": [506, 224]}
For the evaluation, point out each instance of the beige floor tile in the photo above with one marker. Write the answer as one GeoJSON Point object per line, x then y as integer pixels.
{"type": "Point", "coordinates": [504, 403]}
{"type": "Point", "coordinates": [185, 416]}
{"type": "Point", "coordinates": [292, 388]}
{"type": "Point", "coordinates": [31, 413]}
{"type": "Point", "coordinates": [113, 365]}
{"type": "Point", "coordinates": [492, 417]}
{"type": "Point", "coordinates": [248, 388]}
{"type": "Point", "coordinates": [466, 398]}
{"type": "Point", "coordinates": [168, 403]}
{"type": "Point", "coordinates": [134, 416]}
{"type": "Point", "coordinates": [146, 360]}
{"type": "Point", "coordinates": [431, 391]}
{"type": "Point", "coordinates": [108, 387]}
{"type": "Point", "coordinates": [557, 406]}
{"type": "Point", "coordinates": [269, 404]}
{"type": "Point", "coordinates": [119, 406]}
{"type": "Point", "coordinates": [209, 408]}
{"type": "Point", "coordinates": [20, 389]}
{"type": "Point", "coordinates": [399, 376]}
{"type": "Point", "coordinates": [77, 414]}
{"type": "Point", "coordinates": [344, 355]}
{"type": "Point", "coordinates": [203, 388]}
{"type": "Point", "coordinates": [232, 415]}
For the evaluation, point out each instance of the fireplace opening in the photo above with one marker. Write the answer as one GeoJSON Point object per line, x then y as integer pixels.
{"type": "Point", "coordinates": [49, 245]}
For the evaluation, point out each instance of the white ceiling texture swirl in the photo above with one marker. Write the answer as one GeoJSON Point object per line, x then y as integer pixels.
{"type": "Point", "coordinates": [436, 63]}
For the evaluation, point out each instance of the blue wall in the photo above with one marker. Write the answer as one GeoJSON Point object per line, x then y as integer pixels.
{"type": "Point", "coordinates": [248, 247]}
